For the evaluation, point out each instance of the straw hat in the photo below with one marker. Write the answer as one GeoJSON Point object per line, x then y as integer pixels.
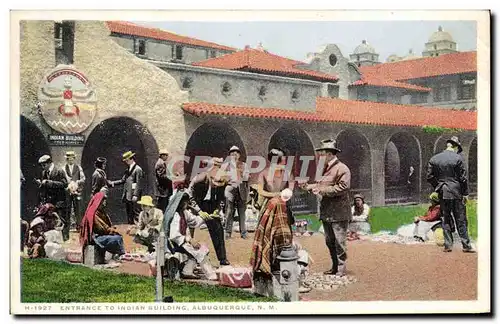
{"type": "Point", "coordinates": [127, 155]}
{"type": "Point", "coordinates": [146, 201]}
{"type": "Point", "coordinates": [163, 152]}
{"type": "Point", "coordinates": [70, 154]}
{"type": "Point", "coordinates": [286, 194]}
{"type": "Point", "coordinates": [234, 148]}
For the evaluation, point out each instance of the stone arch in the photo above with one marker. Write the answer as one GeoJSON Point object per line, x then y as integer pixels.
{"type": "Point", "coordinates": [440, 143]}
{"type": "Point", "coordinates": [472, 165]}
{"type": "Point", "coordinates": [356, 154]}
{"type": "Point", "coordinates": [110, 139]}
{"type": "Point", "coordinates": [212, 139]}
{"type": "Point", "coordinates": [33, 146]}
{"type": "Point", "coordinates": [296, 142]}
{"type": "Point", "coordinates": [402, 150]}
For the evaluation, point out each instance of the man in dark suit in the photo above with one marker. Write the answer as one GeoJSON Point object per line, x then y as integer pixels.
{"type": "Point", "coordinates": [53, 190]}
{"type": "Point", "coordinates": [333, 188]}
{"type": "Point", "coordinates": [447, 174]}
{"type": "Point", "coordinates": [76, 179]}
{"type": "Point", "coordinates": [133, 185]}
{"type": "Point", "coordinates": [163, 181]}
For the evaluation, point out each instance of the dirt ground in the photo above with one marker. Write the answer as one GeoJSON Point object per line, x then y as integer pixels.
{"type": "Point", "coordinates": [385, 271]}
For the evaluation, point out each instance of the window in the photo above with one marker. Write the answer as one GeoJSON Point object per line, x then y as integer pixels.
{"type": "Point", "coordinates": [187, 83]}
{"type": "Point", "coordinates": [442, 93]}
{"type": "Point", "coordinates": [58, 32]}
{"type": "Point", "coordinates": [262, 92]}
{"type": "Point", "coordinates": [213, 54]}
{"type": "Point", "coordinates": [381, 97]}
{"type": "Point", "coordinates": [295, 95]}
{"type": "Point", "coordinates": [178, 52]}
{"type": "Point", "coordinates": [435, 47]}
{"type": "Point", "coordinates": [467, 88]}
{"type": "Point", "coordinates": [333, 91]}
{"type": "Point", "coordinates": [64, 39]}
{"type": "Point", "coordinates": [419, 98]}
{"type": "Point", "coordinates": [226, 88]}
{"type": "Point", "coordinates": [333, 60]}
{"type": "Point", "coordinates": [362, 94]}
{"type": "Point", "coordinates": [141, 47]}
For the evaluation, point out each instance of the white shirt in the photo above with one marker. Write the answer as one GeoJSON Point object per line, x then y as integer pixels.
{"type": "Point", "coordinates": [131, 166]}
{"type": "Point", "coordinates": [332, 161]}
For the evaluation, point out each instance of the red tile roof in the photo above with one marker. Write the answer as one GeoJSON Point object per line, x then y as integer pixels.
{"type": "Point", "coordinates": [368, 112]}
{"type": "Point", "coordinates": [258, 61]}
{"type": "Point", "coordinates": [349, 111]}
{"type": "Point", "coordinates": [378, 82]}
{"type": "Point", "coordinates": [127, 28]}
{"type": "Point", "coordinates": [455, 63]}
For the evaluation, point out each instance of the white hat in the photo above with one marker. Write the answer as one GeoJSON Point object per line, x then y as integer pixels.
{"type": "Point", "coordinates": [36, 221]}
{"type": "Point", "coordinates": [286, 194]}
{"type": "Point", "coordinates": [43, 159]}
{"type": "Point", "coordinates": [234, 148]}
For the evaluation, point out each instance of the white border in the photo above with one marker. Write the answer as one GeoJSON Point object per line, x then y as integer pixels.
{"type": "Point", "coordinates": [484, 213]}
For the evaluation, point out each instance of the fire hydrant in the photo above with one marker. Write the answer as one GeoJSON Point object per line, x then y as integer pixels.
{"type": "Point", "coordinates": [288, 275]}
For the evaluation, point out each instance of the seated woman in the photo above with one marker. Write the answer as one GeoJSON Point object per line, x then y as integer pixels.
{"type": "Point", "coordinates": [179, 240]}
{"type": "Point", "coordinates": [96, 228]}
{"type": "Point", "coordinates": [149, 225]}
{"type": "Point", "coordinates": [36, 239]}
{"type": "Point", "coordinates": [424, 224]}
{"type": "Point", "coordinates": [360, 214]}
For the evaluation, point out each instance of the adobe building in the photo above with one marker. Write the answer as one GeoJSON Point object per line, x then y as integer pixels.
{"type": "Point", "coordinates": [138, 97]}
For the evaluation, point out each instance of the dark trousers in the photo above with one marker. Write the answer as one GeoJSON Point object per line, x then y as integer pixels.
{"type": "Point", "coordinates": [132, 211]}
{"type": "Point", "coordinates": [62, 211]}
{"type": "Point", "coordinates": [162, 203]}
{"type": "Point", "coordinates": [215, 229]}
{"type": "Point", "coordinates": [335, 237]}
{"type": "Point", "coordinates": [74, 202]}
{"type": "Point", "coordinates": [453, 212]}
{"type": "Point", "coordinates": [24, 233]}
{"type": "Point", "coordinates": [231, 209]}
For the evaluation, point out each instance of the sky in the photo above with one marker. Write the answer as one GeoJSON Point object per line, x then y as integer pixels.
{"type": "Point", "coordinates": [295, 39]}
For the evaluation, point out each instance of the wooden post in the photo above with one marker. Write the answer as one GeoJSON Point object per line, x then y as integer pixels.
{"type": "Point", "coordinates": [160, 264]}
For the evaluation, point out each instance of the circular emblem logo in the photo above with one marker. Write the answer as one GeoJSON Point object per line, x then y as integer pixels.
{"type": "Point", "coordinates": [68, 101]}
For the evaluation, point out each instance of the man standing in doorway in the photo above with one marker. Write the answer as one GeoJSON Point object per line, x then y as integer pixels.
{"type": "Point", "coordinates": [53, 190]}
{"type": "Point", "coordinates": [133, 181]}
{"type": "Point", "coordinates": [236, 192]}
{"type": "Point", "coordinates": [447, 174]}
{"type": "Point", "coordinates": [333, 188]}
{"type": "Point", "coordinates": [100, 180]}
{"type": "Point", "coordinates": [76, 179]}
{"type": "Point", "coordinates": [163, 181]}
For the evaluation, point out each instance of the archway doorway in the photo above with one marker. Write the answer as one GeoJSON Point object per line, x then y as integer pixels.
{"type": "Point", "coordinates": [33, 146]}
{"type": "Point", "coordinates": [402, 154]}
{"type": "Point", "coordinates": [295, 142]}
{"type": "Point", "coordinates": [473, 168]}
{"type": "Point", "coordinates": [212, 139]}
{"type": "Point", "coordinates": [110, 139]}
{"type": "Point", "coordinates": [356, 155]}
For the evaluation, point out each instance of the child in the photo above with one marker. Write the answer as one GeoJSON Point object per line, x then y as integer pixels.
{"type": "Point", "coordinates": [36, 239]}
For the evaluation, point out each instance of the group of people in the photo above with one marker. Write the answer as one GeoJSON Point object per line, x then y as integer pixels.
{"type": "Point", "coordinates": [182, 207]}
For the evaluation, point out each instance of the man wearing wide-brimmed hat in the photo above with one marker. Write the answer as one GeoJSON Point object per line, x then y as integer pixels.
{"type": "Point", "coordinates": [133, 184]}
{"type": "Point", "coordinates": [150, 222]}
{"type": "Point", "coordinates": [76, 179]}
{"type": "Point", "coordinates": [163, 181]}
{"type": "Point", "coordinates": [447, 173]}
{"type": "Point", "coordinates": [236, 191]}
{"type": "Point", "coordinates": [333, 187]}
{"type": "Point", "coordinates": [53, 190]}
